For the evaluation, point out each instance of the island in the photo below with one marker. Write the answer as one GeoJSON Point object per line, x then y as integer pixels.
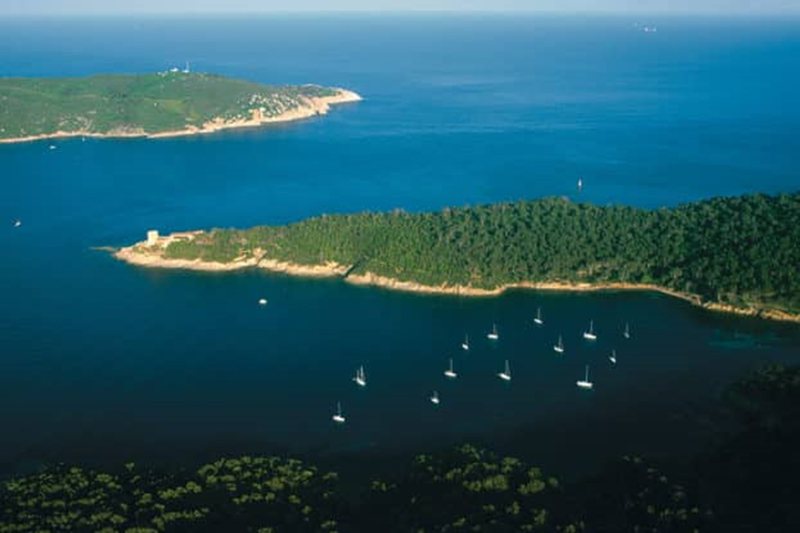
{"type": "Point", "coordinates": [163, 104]}
{"type": "Point", "coordinates": [735, 254]}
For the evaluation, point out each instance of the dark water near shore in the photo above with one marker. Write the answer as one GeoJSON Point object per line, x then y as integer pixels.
{"type": "Point", "coordinates": [100, 361]}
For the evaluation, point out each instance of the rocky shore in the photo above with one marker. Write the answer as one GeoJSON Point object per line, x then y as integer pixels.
{"type": "Point", "coordinates": [312, 106]}
{"type": "Point", "coordinates": [152, 256]}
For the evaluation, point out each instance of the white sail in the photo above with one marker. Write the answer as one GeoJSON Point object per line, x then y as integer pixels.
{"type": "Point", "coordinates": [590, 335]}
{"type": "Point", "coordinates": [505, 375]}
{"type": "Point", "coordinates": [585, 383]}
{"type": "Point", "coordinates": [360, 377]}
{"type": "Point", "coordinates": [338, 417]}
{"type": "Point", "coordinates": [450, 372]}
{"type": "Point", "coordinates": [559, 348]}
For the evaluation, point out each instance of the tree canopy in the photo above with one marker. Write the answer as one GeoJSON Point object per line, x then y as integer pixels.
{"type": "Point", "coordinates": [741, 251]}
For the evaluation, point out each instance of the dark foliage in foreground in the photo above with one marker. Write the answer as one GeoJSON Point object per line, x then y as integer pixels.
{"type": "Point", "coordinates": [752, 478]}
{"type": "Point", "coordinates": [746, 483]}
{"type": "Point", "coordinates": [246, 494]}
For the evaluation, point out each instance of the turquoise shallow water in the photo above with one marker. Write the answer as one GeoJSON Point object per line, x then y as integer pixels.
{"type": "Point", "coordinates": [103, 361]}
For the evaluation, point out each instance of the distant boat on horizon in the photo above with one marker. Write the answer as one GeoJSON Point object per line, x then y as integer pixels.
{"type": "Point", "coordinates": [538, 319]}
{"type": "Point", "coordinates": [435, 398]}
{"type": "Point", "coordinates": [465, 344]}
{"type": "Point", "coordinates": [505, 375]}
{"type": "Point", "coordinates": [613, 357]}
{"type": "Point", "coordinates": [450, 373]}
{"type": "Point", "coordinates": [590, 335]}
{"type": "Point", "coordinates": [338, 417]}
{"type": "Point", "coordinates": [559, 347]}
{"type": "Point", "coordinates": [360, 378]}
{"type": "Point", "coordinates": [585, 383]}
{"type": "Point", "coordinates": [494, 335]}
{"type": "Point", "coordinates": [627, 332]}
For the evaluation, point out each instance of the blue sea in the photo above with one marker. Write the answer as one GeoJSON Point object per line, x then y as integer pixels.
{"type": "Point", "coordinates": [102, 362]}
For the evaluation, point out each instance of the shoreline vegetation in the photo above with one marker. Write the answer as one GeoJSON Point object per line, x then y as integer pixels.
{"type": "Point", "coordinates": [152, 106]}
{"type": "Point", "coordinates": [330, 239]}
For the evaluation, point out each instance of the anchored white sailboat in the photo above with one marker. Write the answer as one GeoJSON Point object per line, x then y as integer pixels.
{"type": "Point", "coordinates": [450, 373]}
{"type": "Point", "coordinates": [580, 184]}
{"type": "Point", "coordinates": [17, 223]}
{"type": "Point", "coordinates": [585, 383]}
{"type": "Point", "coordinates": [262, 301]}
{"type": "Point", "coordinates": [465, 344]}
{"type": "Point", "coordinates": [590, 335]}
{"type": "Point", "coordinates": [559, 347]}
{"type": "Point", "coordinates": [494, 335]}
{"type": "Point", "coordinates": [538, 320]}
{"type": "Point", "coordinates": [338, 417]}
{"type": "Point", "coordinates": [360, 378]}
{"type": "Point", "coordinates": [613, 357]}
{"type": "Point", "coordinates": [627, 332]}
{"type": "Point", "coordinates": [435, 398]}
{"type": "Point", "coordinates": [505, 375]}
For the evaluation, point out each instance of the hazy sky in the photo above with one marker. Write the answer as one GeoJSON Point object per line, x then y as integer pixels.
{"type": "Point", "coordinates": [75, 7]}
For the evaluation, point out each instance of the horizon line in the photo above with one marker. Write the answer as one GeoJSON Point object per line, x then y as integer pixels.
{"type": "Point", "coordinates": [448, 12]}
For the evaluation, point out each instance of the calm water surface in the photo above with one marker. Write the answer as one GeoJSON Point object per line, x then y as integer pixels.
{"type": "Point", "coordinates": [100, 361]}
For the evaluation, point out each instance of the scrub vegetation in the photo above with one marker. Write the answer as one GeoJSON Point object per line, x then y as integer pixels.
{"type": "Point", "coordinates": [148, 103]}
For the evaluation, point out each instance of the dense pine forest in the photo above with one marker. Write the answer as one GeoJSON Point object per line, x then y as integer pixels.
{"type": "Point", "coordinates": [744, 480]}
{"type": "Point", "coordinates": [741, 251]}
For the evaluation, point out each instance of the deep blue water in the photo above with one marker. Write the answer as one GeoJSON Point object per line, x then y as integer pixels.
{"type": "Point", "coordinates": [103, 361]}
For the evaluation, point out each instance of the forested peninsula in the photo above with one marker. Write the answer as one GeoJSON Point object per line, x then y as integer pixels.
{"type": "Point", "coordinates": [735, 254]}
{"type": "Point", "coordinates": [163, 104]}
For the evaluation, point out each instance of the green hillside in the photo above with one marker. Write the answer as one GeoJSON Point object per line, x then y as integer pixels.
{"type": "Point", "coordinates": [151, 103]}
{"type": "Point", "coordinates": [741, 251]}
